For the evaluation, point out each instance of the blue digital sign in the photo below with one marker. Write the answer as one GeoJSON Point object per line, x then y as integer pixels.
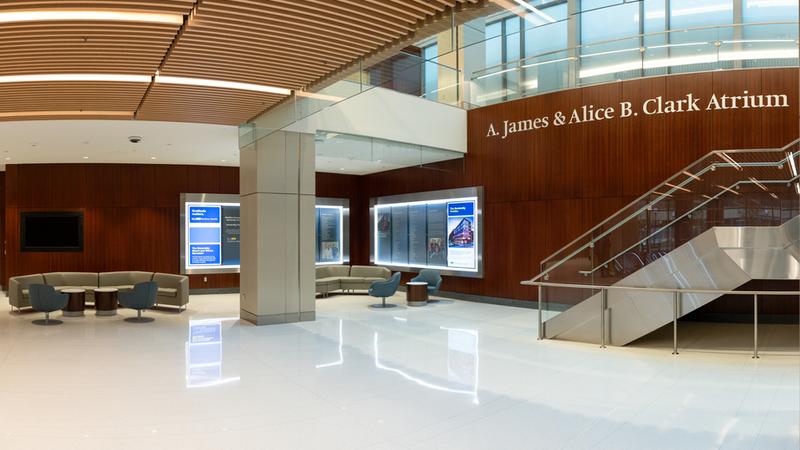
{"type": "Point", "coordinates": [204, 254]}
{"type": "Point", "coordinates": [204, 235]}
{"type": "Point", "coordinates": [204, 214]}
{"type": "Point", "coordinates": [461, 209]}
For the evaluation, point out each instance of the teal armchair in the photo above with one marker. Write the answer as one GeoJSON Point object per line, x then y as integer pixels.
{"type": "Point", "coordinates": [385, 289]}
{"type": "Point", "coordinates": [431, 277]}
{"type": "Point", "coordinates": [143, 296]}
{"type": "Point", "coordinates": [45, 299]}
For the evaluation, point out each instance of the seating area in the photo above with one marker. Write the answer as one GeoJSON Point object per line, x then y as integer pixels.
{"type": "Point", "coordinates": [344, 278]}
{"type": "Point", "coordinates": [172, 290]}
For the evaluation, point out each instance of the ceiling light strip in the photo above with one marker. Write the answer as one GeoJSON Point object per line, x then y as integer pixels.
{"type": "Point", "coordinates": [89, 15]}
{"type": "Point", "coordinates": [74, 77]}
{"type": "Point", "coordinates": [143, 79]}
{"type": "Point", "coordinates": [221, 84]}
{"type": "Point", "coordinates": [66, 113]}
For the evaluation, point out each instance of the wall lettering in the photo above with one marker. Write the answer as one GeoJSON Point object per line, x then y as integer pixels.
{"type": "Point", "coordinates": [653, 106]}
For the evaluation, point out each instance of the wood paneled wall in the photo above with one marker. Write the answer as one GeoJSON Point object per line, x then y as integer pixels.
{"type": "Point", "coordinates": [131, 214]}
{"type": "Point", "coordinates": [546, 187]}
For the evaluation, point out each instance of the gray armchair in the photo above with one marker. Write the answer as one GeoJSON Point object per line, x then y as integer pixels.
{"type": "Point", "coordinates": [143, 296]}
{"type": "Point", "coordinates": [385, 289]}
{"type": "Point", "coordinates": [431, 277]}
{"type": "Point", "coordinates": [45, 299]}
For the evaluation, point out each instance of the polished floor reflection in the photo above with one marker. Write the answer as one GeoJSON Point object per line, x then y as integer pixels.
{"type": "Point", "coordinates": [450, 375]}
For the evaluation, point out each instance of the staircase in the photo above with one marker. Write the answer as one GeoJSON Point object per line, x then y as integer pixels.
{"type": "Point", "coordinates": [729, 218]}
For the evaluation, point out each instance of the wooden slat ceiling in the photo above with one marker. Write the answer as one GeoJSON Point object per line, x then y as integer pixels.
{"type": "Point", "coordinates": [281, 43]}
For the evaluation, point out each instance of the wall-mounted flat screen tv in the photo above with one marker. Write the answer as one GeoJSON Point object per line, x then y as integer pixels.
{"type": "Point", "coordinates": [51, 231]}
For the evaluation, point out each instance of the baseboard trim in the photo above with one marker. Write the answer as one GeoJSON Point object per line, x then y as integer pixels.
{"type": "Point", "coordinates": [277, 319]}
{"type": "Point", "coordinates": [529, 304]}
{"type": "Point", "coordinates": [204, 291]}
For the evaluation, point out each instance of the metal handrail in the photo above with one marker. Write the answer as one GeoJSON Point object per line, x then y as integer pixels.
{"type": "Point", "coordinates": [700, 205]}
{"type": "Point", "coordinates": [677, 294]}
{"type": "Point", "coordinates": [521, 61]}
{"type": "Point", "coordinates": [648, 205]}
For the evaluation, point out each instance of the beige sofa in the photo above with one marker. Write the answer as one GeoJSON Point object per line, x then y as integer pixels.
{"type": "Point", "coordinates": [348, 278]}
{"type": "Point", "coordinates": [173, 290]}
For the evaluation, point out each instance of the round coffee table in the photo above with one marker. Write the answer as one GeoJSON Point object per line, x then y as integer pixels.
{"type": "Point", "coordinates": [105, 301]}
{"type": "Point", "coordinates": [417, 293]}
{"type": "Point", "coordinates": [76, 303]}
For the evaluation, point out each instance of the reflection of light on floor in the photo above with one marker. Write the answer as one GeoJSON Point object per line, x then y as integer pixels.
{"type": "Point", "coordinates": [472, 393]}
{"type": "Point", "coordinates": [204, 353]}
{"type": "Point", "coordinates": [340, 361]}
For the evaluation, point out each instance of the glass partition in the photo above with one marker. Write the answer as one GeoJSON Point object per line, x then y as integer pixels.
{"type": "Point", "coordinates": [725, 188]}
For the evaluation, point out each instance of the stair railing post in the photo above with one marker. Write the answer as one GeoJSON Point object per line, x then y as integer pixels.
{"type": "Point", "coordinates": [676, 298]}
{"type": "Point", "coordinates": [603, 305]}
{"type": "Point", "coordinates": [541, 329]}
{"type": "Point", "coordinates": [755, 326]}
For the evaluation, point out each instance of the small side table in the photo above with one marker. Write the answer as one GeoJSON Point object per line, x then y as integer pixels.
{"type": "Point", "coordinates": [417, 293]}
{"type": "Point", "coordinates": [76, 303]}
{"type": "Point", "coordinates": [105, 301]}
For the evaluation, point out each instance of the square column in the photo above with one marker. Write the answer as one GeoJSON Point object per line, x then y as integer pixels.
{"type": "Point", "coordinates": [277, 187]}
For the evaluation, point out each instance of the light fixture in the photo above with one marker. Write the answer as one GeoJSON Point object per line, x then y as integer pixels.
{"type": "Point", "coordinates": [85, 157]}
{"type": "Point", "coordinates": [727, 189]}
{"type": "Point", "coordinates": [66, 113]}
{"type": "Point", "coordinates": [730, 160]}
{"type": "Point", "coordinates": [152, 157]}
{"type": "Point", "coordinates": [692, 175]}
{"type": "Point", "coordinates": [792, 165]}
{"type": "Point", "coordinates": [678, 187]}
{"type": "Point", "coordinates": [222, 84]}
{"type": "Point", "coordinates": [75, 77]}
{"type": "Point", "coordinates": [8, 158]}
{"type": "Point", "coordinates": [754, 181]}
{"type": "Point", "coordinates": [89, 15]}
{"type": "Point", "coordinates": [771, 194]}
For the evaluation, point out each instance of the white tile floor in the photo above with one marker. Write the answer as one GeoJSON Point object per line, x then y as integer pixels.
{"type": "Point", "coordinates": [451, 375]}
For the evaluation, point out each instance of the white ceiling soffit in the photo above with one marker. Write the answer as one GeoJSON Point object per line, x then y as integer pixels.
{"type": "Point", "coordinates": [106, 141]}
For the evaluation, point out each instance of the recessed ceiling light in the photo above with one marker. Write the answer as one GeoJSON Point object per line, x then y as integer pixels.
{"type": "Point", "coordinates": [222, 84]}
{"type": "Point", "coordinates": [85, 157]}
{"type": "Point", "coordinates": [224, 160]}
{"type": "Point", "coordinates": [8, 158]}
{"type": "Point", "coordinates": [341, 168]}
{"type": "Point", "coordinates": [91, 15]}
{"type": "Point", "coordinates": [152, 157]}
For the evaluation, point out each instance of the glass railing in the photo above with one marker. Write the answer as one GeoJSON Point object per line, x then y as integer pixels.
{"type": "Point", "coordinates": [724, 188]}
{"type": "Point", "coordinates": [737, 46]}
{"type": "Point", "coordinates": [404, 73]}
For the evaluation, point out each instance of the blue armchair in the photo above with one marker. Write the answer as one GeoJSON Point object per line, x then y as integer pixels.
{"type": "Point", "coordinates": [431, 277]}
{"type": "Point", "coordinates": [143, 296]}
{"type": "Point", "coordinates": [385, 289]}
{"type": "Point", "coordinates": [45, 299]}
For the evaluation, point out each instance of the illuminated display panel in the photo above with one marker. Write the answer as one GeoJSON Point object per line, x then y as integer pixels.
{"type": "Point", "coordinates": [330, 234]}
{"type": "Point", "coordinates": [210, 233]}
{"type": "Point", "coordinates": [437, 230]}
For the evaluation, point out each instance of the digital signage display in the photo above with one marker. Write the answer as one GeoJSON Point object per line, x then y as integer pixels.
{"type": "Point", "coordinates": [211, 236]}
{"type": "Point", "coordinates": [330, 234]}
{"type": "Point", "coordinates": [438, 233]}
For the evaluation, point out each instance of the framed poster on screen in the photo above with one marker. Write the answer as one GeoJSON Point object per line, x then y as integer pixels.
{"type": "Point", "coordinates": [440, 230]}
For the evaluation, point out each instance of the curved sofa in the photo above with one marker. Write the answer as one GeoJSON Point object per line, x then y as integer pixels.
{"type": "Point", "coordinates": [173, 290]}
{"type": "Point", "coordinates": [348, 278]}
